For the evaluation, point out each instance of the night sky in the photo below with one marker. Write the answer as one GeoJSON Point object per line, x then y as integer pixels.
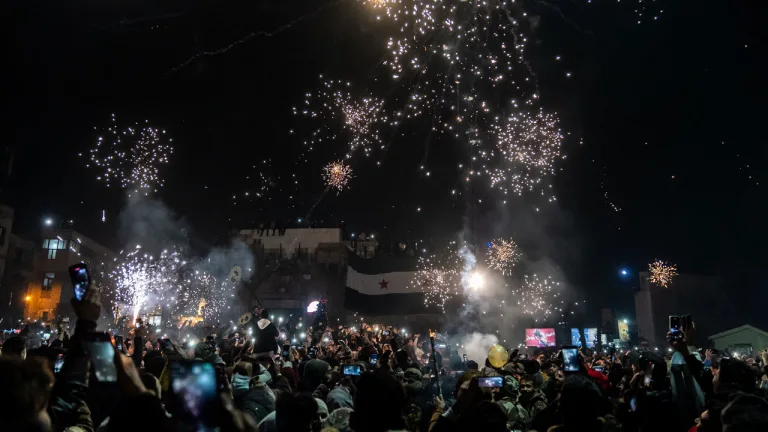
{"type": "Point", "coordinates": [663, 119]}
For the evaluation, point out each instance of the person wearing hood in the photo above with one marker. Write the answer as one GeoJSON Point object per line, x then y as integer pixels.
{"type": "Point", "coordinates": [251, 395]}
{"type": "Point", "coordinates": [415, 404]}
{"type": "Point", "coordinates": [266, 335]}
{"type": "Point", "coordinates": [316, 372]}
{"type": "Point", "coordinates": [341, 396]}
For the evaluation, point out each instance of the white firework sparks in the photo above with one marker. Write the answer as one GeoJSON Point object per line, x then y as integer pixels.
{"type": "Point", "coordinates": [132, 157]}
{"type": "Point", "coordinates": [142, 280]}
{"type": "Point", "coordinates": [336, 108]}
{"type": "Point", "coordinates": [537, 296]}
{"type": "Point", "coordinates": [528, 146]}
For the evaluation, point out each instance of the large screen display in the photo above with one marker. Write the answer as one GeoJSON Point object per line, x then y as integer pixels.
{"type": "Point", "coordinates": [590, 335]}
{"type": "Point", "coordinates": [540, 337]}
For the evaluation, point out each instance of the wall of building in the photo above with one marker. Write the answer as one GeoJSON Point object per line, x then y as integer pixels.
{"type": "Point", "coordinates": [39, 301]}
{"type": "Point", "coordinates": [748, 336]}
{"type": "Point", "coordinates": [290, 241]}
{"type": "Point", "coordinates": [78, 248]}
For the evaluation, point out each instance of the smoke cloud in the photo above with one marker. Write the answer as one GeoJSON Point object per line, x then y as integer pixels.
{"type": "Point", "coordinates": [476, 346]}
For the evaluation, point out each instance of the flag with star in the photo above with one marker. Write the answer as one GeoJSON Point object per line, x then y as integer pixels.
{"type": "Point", "coordinates": [382, 286]}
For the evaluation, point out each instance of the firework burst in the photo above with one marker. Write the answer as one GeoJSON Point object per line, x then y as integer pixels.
{"type": "Point", "coordinates": [132, 156]}
{"type": "Point", "coordinates": [662, 273]}
{"type": "Point", "coordinates": [337, 175]}
{"type": "Point", "coordinates": [528, 145]}
{"type": "Point", "coordinates": [439, 278]}
{"type": "Point", "coordinates": [537, 296]}
{"type": "Point", "coordinates": [503, 255]}
{"type": "Point", "coordinates": [338, 109]}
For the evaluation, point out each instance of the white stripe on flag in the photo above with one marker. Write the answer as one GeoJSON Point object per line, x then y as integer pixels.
{"type": "Point", "coordinates": [382, 283]}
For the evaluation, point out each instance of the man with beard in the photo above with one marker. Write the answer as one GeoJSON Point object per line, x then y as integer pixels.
{"type": "Point", "coordinates": [531, 398]}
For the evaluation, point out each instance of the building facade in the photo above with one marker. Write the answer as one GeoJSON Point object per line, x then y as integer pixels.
{"type": "Point", "coordinates": [50, 285]}
{"type": "Point", "coordinates": [744, 340]}
{"type": "Point", "coordinates": [705, 298]}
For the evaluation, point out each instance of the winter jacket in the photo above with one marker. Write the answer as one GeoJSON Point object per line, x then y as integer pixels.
{"type": "Point", "coordinates": [257, 401]}
{"type": "Point", "coordinates": [67, 408]}
{"type": "Point", "coordinates": [265, 334]}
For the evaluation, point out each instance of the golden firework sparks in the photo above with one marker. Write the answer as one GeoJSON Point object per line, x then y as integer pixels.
{"type": "Point", "coordinates": [503, 255]}
{"type": "Point", "coordinates": [337, 175]}
{"type": "Point", "coordinates": [662, 273]}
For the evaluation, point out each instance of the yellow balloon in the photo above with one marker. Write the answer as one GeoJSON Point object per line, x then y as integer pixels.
{"type": "Point", "coordinates": [498, 356]}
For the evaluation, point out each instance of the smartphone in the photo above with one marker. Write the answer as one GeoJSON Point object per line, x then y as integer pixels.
{"type": "Point", "coordinates": [286, 351]}
{"type": "Point", "coordinates": [374, 358]}
{"type": "Point", "coordinates": [675, 327]}
{"type": "Point", "coordinates": [312, 352]}
{"type": "Point", "coordinates": [167, 346]}
{"type": "Point", "coordinates": [385, 333]}
{"type": "Point", "coordinates": [102, 353]}
{"type": "Point", "coordinates": [352, 370]}
{"type": "Point", "coordinates": [633, 404]}
{"type": "Point", "coordinates": [647, 381]}
{"type": "Point", "coordinates": [570, 359]}
{"type": "Point", "coordinates": [58, 363]}
{"type": "Point", "coordinates": [490, 382]}
{"type": "Point", "coordinates": [598, 368]}
{"type": "Point", "coordinates": [81, 279]}
{"type": "Point", "coordinates": [119, 342]}
{"type": "Point", "coordinates": [192, 394]}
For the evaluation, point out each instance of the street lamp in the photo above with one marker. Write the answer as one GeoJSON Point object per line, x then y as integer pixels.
{"type": "Point", "coordinates": [48, 222]}
{"type": "Point", "coordinates": [27, 298]}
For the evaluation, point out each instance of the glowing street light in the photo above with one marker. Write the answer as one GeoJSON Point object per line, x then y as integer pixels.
{"type": "Point", "coordinates": [28, 298]}
{"type": "Point", "coordinates": [48, 222]}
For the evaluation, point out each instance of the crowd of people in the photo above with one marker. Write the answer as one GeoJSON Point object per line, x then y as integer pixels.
{"type": "Point", "coordinates": [375, 378]}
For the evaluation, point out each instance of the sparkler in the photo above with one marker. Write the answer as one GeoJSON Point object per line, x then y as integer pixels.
{"type": "Point", "coordinates": [131, 157]}
{"type": "Point", "coordinates": [337, 175]}
{"type": "Point", "coordinates": [662, 273]}
{"type": "Point", "coordinates": [503, 255]}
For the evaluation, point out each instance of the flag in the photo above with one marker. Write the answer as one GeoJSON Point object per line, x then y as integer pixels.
{"type": "Point", "coordinates": [382, 286]}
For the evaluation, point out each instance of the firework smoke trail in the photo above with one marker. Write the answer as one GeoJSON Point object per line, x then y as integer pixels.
{"type": "Point", "coordinates": [132, 156]}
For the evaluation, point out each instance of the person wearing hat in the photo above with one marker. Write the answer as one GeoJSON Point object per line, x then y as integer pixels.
{"type": "Point", "coordinates": [251, 395]}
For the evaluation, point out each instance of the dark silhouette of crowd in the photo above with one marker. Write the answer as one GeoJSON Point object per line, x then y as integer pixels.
{"type": "Point", "coordinates": [371, 379]}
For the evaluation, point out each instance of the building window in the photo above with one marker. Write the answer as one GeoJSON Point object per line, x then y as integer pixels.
{"type": "Point", "coordinates": [51, 253]}
{"type": "Point", "coordinates": [48, 281]}
{"type": "Point", "coordinates": [55, 243]}
{"type": "Point", "coordinates": [45, 315]}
